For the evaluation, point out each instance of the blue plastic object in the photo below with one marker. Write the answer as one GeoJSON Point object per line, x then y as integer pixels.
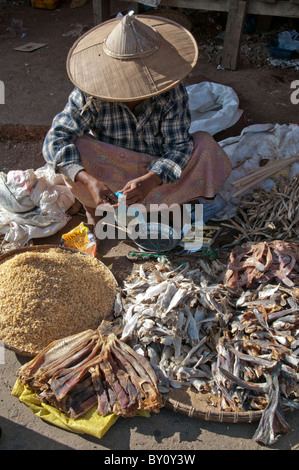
{"type": "Point", "coordinates": [276, 51]}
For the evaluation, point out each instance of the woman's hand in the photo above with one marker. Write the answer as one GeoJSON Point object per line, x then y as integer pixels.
{"type": "Point", "coordinates": [137, 189]}
{"type": "Point", "coordinates": [100, 192]}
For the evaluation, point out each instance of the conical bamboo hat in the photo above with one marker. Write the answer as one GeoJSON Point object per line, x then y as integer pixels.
{"type": "Point", "coordinates": [132, 58]}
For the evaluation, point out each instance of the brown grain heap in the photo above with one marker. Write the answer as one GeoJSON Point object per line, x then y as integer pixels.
{"type": "Point", "coordinates": [51, 294]}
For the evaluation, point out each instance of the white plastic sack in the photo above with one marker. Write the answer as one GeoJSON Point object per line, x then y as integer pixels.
{"type": "Point", "coordinates": [32, 205]}
{"type": "Point", "coordinates": [245, 151]}
{"type": "Point", "coordinates": [30, 225]}
{"type": "Point", "coordinates": [48, 172]}
{"type": "Point", "coordinates": [15, 189]}
{"type": "Point", "coordinates": [213, 107]}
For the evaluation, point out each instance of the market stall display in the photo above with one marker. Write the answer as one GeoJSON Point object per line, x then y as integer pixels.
{"type": "Point", "coordinates": [211, 337]}
{"type": "Point", "coordinates": [185, 337]}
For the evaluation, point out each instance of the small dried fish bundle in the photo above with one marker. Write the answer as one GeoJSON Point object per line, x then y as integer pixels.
{"type": "Point", "coordinates": [93, 368]}
{"type": "Point", "coordinates": [252, 263]}
{"type": "Point", "coordinates": [270, 214]}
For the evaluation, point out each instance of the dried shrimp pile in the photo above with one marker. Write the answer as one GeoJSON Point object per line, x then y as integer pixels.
{"type": "Point", "coordinates": [238, 348]}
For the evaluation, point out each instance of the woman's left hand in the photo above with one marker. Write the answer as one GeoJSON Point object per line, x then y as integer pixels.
{"type": "Point", "coordinates": [137, 189]}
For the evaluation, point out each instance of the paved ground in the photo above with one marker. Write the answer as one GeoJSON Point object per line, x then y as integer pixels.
{"type": "Point", "coordinates": [36, 88]}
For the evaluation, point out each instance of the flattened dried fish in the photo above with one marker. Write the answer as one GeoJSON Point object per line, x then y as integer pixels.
{"type": "Point", "coordinates": [272, 422]}
{"type": "Point", "coordinates": [221, 338]}
{"type": "Point", "coordinates": [107, 372]}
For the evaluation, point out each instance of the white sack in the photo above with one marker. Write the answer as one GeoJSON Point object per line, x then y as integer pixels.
{"type": "Point", "coordinates": [213, 107]}
{"type": "Point", "coordinates": [15, 189]}
{"type": "Point", "coordinates": [32, 204]}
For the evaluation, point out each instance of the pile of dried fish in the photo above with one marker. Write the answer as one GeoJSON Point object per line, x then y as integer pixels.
{"type": "Point", "coordinates": [239, 350]}
{"type": "Point", "coordinates": [269, 215]}
{"type": "Point", "coordinates": [251, 264]}
{"type": "Point", "coordinates": [173, 315]}
{"type": "Point", "coordinates": [93, 368]}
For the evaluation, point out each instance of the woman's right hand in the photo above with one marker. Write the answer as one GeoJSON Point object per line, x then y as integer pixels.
{"type": "Point", "coordinates": [100, 192]}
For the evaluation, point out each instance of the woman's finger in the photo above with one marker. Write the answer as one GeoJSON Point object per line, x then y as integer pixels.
{"type": "Point", "coordinates": [126, 187]}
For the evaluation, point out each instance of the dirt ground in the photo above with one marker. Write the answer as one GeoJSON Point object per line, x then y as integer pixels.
{"type": "Point", "coordinates": [36, 88]}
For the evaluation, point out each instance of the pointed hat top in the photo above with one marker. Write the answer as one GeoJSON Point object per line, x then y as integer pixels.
{"type": "Point", "coordinates": [131, 39]}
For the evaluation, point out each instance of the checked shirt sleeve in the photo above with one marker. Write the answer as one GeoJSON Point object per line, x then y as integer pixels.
{"type": "Point", "coordinates": [59, 148]}
{"type": "Point", "coordinates": [178, 143]}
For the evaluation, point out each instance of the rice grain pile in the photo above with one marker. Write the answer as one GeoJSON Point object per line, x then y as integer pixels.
{"type": "Point", "coordinates": [47, 295]}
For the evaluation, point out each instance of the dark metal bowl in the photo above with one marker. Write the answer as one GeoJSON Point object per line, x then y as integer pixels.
{"type": "Point", "coordinates": [156, 237]}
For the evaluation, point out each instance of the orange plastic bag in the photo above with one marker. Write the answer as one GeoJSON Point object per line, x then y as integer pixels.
{"type": "Point", "coordinates": [80, 238]}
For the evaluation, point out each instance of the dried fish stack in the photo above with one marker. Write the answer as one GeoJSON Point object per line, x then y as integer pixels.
{"type": "Point", "coordinates": [258, 358]}
{"type": "Point", "coordinates": [93, 368]}
{"type": "Point", "coordinates": [269, 215]}
{"type": "Point", "coordinates": [176, 319]}
{"type": "Point", "coordinates": [240, 349]}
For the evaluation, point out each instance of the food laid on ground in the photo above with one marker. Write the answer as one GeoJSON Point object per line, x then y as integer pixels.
{"type": "Point", "coordinates": [228, 331]}
{"type": "Point", "coordinates": [93, 368]}
{"type": "Point", "coordinates": [238, 347]}
{"type": "Point", "coordinates": [47, 295]}
{"type": "Point", "coordinates": [269, 215]}
{"type": "Point", "coordinates": [252, 264]}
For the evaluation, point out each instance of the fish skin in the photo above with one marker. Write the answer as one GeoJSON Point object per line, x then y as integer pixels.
{"type": "Point", "coordinates": [118, 304]}
{"type": "Point", "coordinates": [153, 291]}
{"type": "Point", "coordinates": [199, 315]}
{"type": "Point", "coordinates": [247, 357]}
{"type": "Point", "coordinates": [260, 388]}
{"type": "Point", "coordinates": [83, 407]}
{"type": "Point", "coordinates": [168, 294]}
{"type": "Point", "coordinates": [200, 384]}
{"type": "Point", "coordinates": [276, 315]}
{"type": "Point", "coordinates": [140, 362]}
{"type": "Point", "coordinates": [55, 353]}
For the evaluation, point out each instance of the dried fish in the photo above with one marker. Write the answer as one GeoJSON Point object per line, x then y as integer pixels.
{"type": "Point", "coordinates": [91, 368]}
{"type": "Point", "coordinates": [225, 338]}
{"type": "Point", "coordinates": [269, 215]}
{"type": "Point", "coordinates": [272, 422]}
{"type": "Point", "coordinates": [277, 258]}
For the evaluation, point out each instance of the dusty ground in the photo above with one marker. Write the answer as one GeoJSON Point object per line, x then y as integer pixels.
{"type": "Point", "coordinates": [36, 88]}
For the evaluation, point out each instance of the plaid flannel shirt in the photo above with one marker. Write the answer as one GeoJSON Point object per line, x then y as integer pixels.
{"type": "Point", "coordinates": [161, 129]}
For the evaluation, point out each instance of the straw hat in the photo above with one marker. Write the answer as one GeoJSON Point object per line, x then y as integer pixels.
{"type": "Point", "coordinates": [132, 58]}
